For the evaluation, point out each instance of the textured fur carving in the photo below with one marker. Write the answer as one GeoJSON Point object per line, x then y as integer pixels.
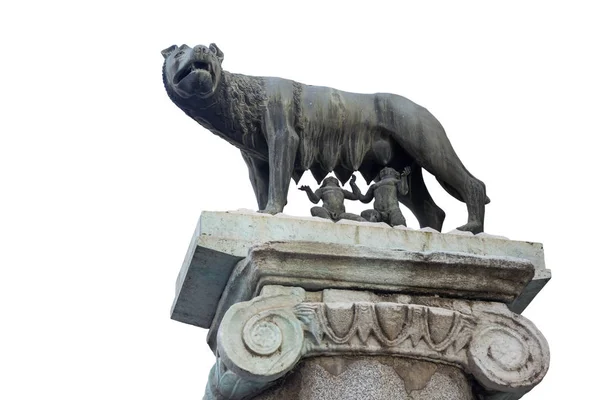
{"type": "Point", "coordinates": [284, 128]}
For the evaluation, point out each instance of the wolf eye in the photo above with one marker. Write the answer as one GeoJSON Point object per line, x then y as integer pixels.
{"type": "Point", "coordinates": [179, 54]}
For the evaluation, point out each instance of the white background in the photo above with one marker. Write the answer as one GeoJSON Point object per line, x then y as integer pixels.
{"type": "Point", "coordinates": [103, 178]}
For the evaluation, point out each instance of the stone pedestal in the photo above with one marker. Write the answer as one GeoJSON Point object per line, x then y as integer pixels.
{"type": "Point", "coordinates": [303, 308]}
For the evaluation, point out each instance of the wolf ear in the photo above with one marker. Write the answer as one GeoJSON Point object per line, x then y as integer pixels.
{"type": "Point", "coordinates": [165, 53]}
{"type": "Point", "coordinates": [213, 47]}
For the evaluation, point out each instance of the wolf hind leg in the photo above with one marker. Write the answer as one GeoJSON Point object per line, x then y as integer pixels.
{"type": "Point", "coordinates": [475, 198]}
{"type": "Point", "coordinates": [420, 203]}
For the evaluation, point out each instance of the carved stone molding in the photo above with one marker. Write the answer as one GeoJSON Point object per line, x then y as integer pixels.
{"type": "Point", "coordinates": [224, 384]}
{"type": "Point", "coordinates": [262, 339]}
{"type": "Point", "coordinates": [386, 328]}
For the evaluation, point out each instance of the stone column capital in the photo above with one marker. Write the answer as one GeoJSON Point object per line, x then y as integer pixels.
{"type": "Point", "coordinates": [262, 339]}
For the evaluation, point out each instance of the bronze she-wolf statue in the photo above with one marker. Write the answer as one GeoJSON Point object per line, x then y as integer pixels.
{"type": "Point", "coordinates": [284, 128]}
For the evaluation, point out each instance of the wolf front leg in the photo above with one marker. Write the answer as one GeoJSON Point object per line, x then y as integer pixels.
{"type": "Point", "coordinates": [259, 178]}
{"type": "Point", "coordinates": [282, 141]}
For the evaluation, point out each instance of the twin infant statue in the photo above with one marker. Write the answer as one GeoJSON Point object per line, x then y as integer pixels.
{"type": "Point", "coordinates": [389, 186]}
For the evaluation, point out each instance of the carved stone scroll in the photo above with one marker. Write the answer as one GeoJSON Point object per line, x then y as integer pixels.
{"type": "Point", "coordinates": [261, 340]}
{"type": "Point", "coordinates": [508, 354]}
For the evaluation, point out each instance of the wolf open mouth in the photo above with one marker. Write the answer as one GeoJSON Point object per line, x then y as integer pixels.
{"type": "Point", "coordinates": [192, 67]}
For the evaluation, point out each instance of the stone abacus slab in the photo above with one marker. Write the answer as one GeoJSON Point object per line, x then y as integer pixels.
{"type": "Point", "coordinates": [223, 239]}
